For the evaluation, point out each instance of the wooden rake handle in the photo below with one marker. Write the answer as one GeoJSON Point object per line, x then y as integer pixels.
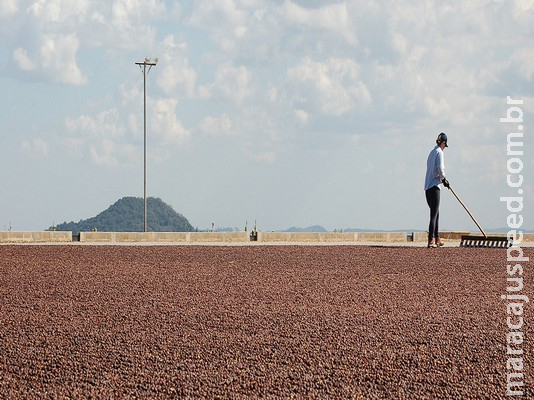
{"type": "Point", "coordinates": [469, 212]}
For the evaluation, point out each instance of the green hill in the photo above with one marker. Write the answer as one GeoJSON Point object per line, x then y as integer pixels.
{"type": "Point", "coordinates": [127, 215]}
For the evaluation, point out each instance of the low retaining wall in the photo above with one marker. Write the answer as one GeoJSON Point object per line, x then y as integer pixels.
{"type": "Point", "coordinates": [391, 237]}
{"type": "Point", "coordinates": [219, 236]}
{"type": "Point", "coordinates": [232, 237]}
{"type": "Point", "coordinates": [112, 237]}
{"type": "Point", "coordinates": [288, 237]}
{"type": "Point", "coordinates": [273, 237]}
{"type": "Point", "coordinates": [176, 237]}
{"type": "Point", "coordinates": [35, 237]}
{"type": "Point", "coordinates": [227, 237]}
{"type": "Point", "coordinates": [397, 237]}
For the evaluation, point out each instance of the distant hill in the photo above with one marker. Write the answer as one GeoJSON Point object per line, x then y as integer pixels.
{"type": "Point", "coordinates": [314, 228]}
{"type": "Point", "coordinates": [127, 215]}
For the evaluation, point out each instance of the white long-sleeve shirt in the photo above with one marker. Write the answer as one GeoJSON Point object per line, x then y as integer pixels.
{"type": "Point", "coordinates": [435, 168]}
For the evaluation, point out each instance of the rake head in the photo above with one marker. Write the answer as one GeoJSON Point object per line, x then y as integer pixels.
{"type": "Point", "coordinates": [498, 242]}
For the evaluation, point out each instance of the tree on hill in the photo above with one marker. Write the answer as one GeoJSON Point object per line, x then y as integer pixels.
{"type": "Point", "coordinates": [127, 215]}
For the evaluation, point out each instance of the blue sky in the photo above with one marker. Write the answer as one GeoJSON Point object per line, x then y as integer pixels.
{"type": "Point", "coordinates": [290, 113]}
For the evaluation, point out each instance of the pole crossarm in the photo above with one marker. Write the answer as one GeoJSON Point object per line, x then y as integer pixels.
{"type": "Point", "coordinates": [143, 66]}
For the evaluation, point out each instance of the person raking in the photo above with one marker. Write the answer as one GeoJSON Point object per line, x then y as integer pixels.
{"type": "Point", "coordinates": [435, 175]}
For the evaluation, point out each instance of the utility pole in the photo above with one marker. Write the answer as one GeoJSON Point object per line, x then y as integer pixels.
{"type": "Point", "coordinates": [143, 65]}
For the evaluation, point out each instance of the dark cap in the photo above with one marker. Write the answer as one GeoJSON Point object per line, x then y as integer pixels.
{"type": "Point", "coordinates": [442, 137]}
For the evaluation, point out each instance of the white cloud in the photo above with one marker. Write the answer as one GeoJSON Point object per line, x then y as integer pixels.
{"type": "Point", "coordinates": [47, 10]}
{"type": "Point", "coordinates": [217, 14]}
{"type": "Point", "coordinates": [54, 31]}
{"type": "Point", "coordinates": [103, 154]}
{"type": "Point", "coordinates": [58, 57]}
{"type": "Point", "coordinates": [332, 17]}
{"type": "Point", "coordinates": [51, 42]}
{"type": "Point", "coordinates": [130, 92]}
{"type": "Point", "coordinates": [166, 125]}
{"type": "Point", "coordinates": [106, 124]}
{"type": "Point", "coordinates": [126, 13]}
{"type": "Point", "coordinates": [217, 126]}
{"type": "Point", "coordinates": [100, 137]}
{"type": "Point", "coordinates": [36, 147]}
{"type": "Point", "coordinates": [176, 77]}
{"type": "Point", "coordinates": [332, 87]}
{"type": "Point", "coordinates": [130, 22]}
{"type": "Point", "coordinates": [437, 106]}
{"type": "Point", "coordinates": [302, 116]}
{"type": "Point", "coordinates": [114, 136]}
{"type": "Point", "coordinates": [25, 63]}
{"type": "Point", "coordinates": [8, 8]}
{"type": "Point", "coordinates": [231, 83]}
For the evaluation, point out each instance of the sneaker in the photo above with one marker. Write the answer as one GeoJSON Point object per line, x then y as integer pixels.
{"type": "Point", "coordinates": [439, 243]}
{"type": "Point", "coordinates": [432, 244]}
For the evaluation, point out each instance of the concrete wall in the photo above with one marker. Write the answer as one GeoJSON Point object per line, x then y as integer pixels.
{"type": "Point", "coordinates": [200, 237]}
{"type": "Point", "coordinates": [332, 237]}
{"type": "Point", "coordinates": [219, 236]}
{"type": "Point", "coordinates": [269, 237]}
{"type": "Point", "coordinates": [35, 237]}
{"type": "Point", "coordinates": [231, 237]}
{"type": "Point", "coordinates": [396, 237]}
{"type": "Point", "coordinates": [112, 237]}
{"type": "Point", "coordinates": [337, 236]}
{"type": "Point", "coordinates": [176, 237]}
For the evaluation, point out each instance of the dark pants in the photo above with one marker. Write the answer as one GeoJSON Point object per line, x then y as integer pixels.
{"type": "Point", "coordinates": [432, 199]}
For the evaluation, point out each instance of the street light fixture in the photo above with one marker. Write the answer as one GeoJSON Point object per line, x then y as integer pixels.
{"type": "Point", "coordinates": [143, 66]}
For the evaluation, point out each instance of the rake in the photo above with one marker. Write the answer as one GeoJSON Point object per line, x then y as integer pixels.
{"type": "Point", "coordinates": [481, 241]}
